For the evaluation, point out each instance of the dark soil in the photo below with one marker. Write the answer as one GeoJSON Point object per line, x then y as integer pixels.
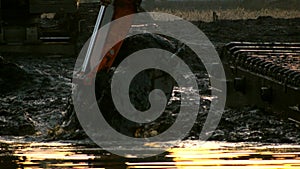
{"type": "Point", "coordinates": [12, 76]}
{"type": "Point", "coordinates": [38, 103]}
{"type": "Point", "coordinates": [35, 90]}
{"type": "Point", "coordinates": [262, 29]}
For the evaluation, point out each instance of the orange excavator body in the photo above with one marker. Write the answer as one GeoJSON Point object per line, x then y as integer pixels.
{"type": "Point", "coordinates": [118, 31]}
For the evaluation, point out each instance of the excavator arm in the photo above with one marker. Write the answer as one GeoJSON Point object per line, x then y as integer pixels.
{"type": "Point", "coordinates": [146, 81]}
{"type": "Point", "coordinates": [117, 30]}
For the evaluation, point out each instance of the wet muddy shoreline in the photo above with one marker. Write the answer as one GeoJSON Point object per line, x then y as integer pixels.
{"type": "Point", "coordinates": [35, 102]}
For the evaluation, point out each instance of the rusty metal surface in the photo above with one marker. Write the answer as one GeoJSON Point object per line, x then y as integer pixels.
{"type": "Point", "coordinates": [264, 74]}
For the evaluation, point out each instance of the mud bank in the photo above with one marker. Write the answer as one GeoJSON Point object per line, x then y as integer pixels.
{"type": "Point", "coordinates": [262, 29]}
{"type": "Point", "coordinates": [44, 84]}
{"type": "Point", "coordinates": [42, 103]}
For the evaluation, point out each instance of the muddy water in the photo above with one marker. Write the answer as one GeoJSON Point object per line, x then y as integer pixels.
{"type": "Point", "coordinates": [187, 155]}
{"type": "Point", "coordinates": [35, 108]}
{"type": "Point", "coordinates": [31, 152]}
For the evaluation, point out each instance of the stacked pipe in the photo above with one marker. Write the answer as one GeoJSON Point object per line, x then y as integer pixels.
{"type": "Point", "coordinates": [279, 61]}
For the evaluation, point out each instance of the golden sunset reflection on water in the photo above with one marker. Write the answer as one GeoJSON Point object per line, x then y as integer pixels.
{"type": "Point", "coordinates": [217, 155]}
{"type": "Point", "coordinates": [187, 155]}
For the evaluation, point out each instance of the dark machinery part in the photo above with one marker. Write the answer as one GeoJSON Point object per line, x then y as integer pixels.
{"type": "Point", "coordinates": [38, 25]}
{"type": "Point", "coordinates": [264, 74]}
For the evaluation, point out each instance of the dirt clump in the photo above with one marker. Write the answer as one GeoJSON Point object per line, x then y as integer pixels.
{"type": "Point", "coordinates": [12, 76]}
